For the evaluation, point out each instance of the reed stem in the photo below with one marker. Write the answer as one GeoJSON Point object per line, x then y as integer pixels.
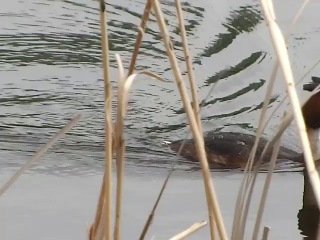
{"type": "Point", "coordinates": [282, 54]}
{"type": "Point", "coordinates": [108, 122]}
{"type": "Point", "coordinates": [192, 229]}
{"type": "Point", "coordinates": [188, 60]}
{"type": "Point", "coordinates": [212, 202]}
{"type": "Point", "coordinates": [39, 153]}
{"type": "Point", "coordinates": [141, 30]}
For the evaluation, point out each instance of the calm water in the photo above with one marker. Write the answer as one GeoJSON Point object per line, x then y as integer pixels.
{"type": "Point", "coordinates": [50, 70]}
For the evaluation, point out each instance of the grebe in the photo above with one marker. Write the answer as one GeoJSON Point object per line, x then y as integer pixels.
{"type": "Point", "coordinates": [232, 150]}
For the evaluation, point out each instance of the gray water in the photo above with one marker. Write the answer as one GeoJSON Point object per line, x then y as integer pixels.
{"type": "Point", "coordinates": [50, 70]}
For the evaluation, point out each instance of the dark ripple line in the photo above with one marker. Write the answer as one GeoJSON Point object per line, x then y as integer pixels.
{"type": "Point", "coordinates": [244, 19]}
{"type": "Point", "coordinates": [251, 87]}
{"type": "Point", "coordinates": [245, 63]}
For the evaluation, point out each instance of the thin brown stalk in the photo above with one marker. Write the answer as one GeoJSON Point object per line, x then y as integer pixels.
{"type": "Point", "coordinates": [108, 122]}
{"type": "Point", "coordinates": [193, 86]}
{"type": "Point", "coordinates": [283, 126]}
{"type": "Point", "coordinates": [190, 230]}
{"type": "Point", "coordinates": [120, 163]}
{"type": "Point", "coordinates": [188, 60]}
{"type": "Point", "coordinates": [265, 189]}
{"type": "Point", "coordinates": [126, 88]}
{"type": "Point", "coordinates": [239, 221]}
{"type": "Point", "coordinates": [282, 54]}
{"type": "Point", "coordinates": [141, 31]}
{"type": "Point", "coordinates": [39, 153]}
{"type": "Point", "coordinates": [212, 202]}
{"type": "Point", "coordinates": [151, 215]}
{"type": "Point", "coordinates": [100, 234]}
{"type": "Point", "coordinates": [242, 213]}
{"type": "Point", "coordinates": [96, 223]}
{"type": "Point", "coordinates": [123, 96]}
{"type": "Point", "coordinates": [265, 234]}
{"type": "Point", "coordinates": [285, 97]}
{"type": "Point", "coordinates": [261, 127]}
{"type": "Point", "coordinates": [119, 148]}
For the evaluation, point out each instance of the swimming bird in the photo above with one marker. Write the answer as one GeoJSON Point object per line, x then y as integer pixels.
{"type": "Point", "coordinates": [232, 150]}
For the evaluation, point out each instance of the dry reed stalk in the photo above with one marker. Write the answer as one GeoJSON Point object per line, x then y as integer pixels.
{"type": "Point", "coordinates": [239, 211]}
{"type": "Point", "coordinates": [141, 30]}
{"type": "Point", "coordinates": [126, 88]}
{"type": "Point", "coordinates": [120, 165]}
{"type": "Point", "coordinates": [101, 228]}
{"type": "Point", "coordinates": [265, 189]}
{"type": "Point", "coordinates": [276, 64]}
{"type": "Point", "coordinates": [188, 60]}
{"type": "Point", "coordinates": [265, 234]}
{"type": "Point", "coordinates": [39, 153]}
{"type": "Point", "coordinates": [96, 223]}
{"type": "Point", "coordinates": [196, 110]}
{"type": "Point", "coordinates": [151, 215]}
{"type": "Point", "coordinates": [190, 230]}
{"type": "Point", "coordinates": [192, 82]}
{"type": "Point", "coordinates": [285, 97]}
{"type": "Point", "coordinates": [283, 126]}
{"type": "Point", "coordinates": [123, 96]}
{"type": "Point", "coordinates": [282, 54]}
{"type": "Point", "coordinates": [119, 145]}
{"type": "Point", "coordinates": [212, 202]}
{"type": "Point", "coordinates": [154, 208]}
{"type": "Point", "coordinates": [106, 206]}
{"type": "Point", "coordinates": [241, 215]}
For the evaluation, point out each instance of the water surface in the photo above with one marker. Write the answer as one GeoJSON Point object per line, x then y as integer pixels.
{"type": "Point", "coordinates": [50, 70]}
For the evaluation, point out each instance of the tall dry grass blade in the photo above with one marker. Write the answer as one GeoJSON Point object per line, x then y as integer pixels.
{"type": "Point", "coordinates": [196, 110]}
{"type": "Point", "coordinates": [154, 208]}
{"type": "Point", "coordinates": [282, 54]}
{"type": "Point", "coordinates": [108, 121]}
{"type": "Point", "coordinates": [284, 124]}
{"type": "Point", "coordinates": [119, 148]}
{"type": "Point", "coordinates": [239, 221]}
{"type": "Point", "coordinates": [96, 223]}
{"type": "Point", "coordinates": [125, 95]}
{"type": "Point", "coordinates": [141, 30]}
{"type": "Point", "coordinates": [39, 153]}
{"type": "Point", "coordinates": [100, 234]}
{"type": "Point", "coordinates": [276, 65]}
{"type": "Point", "coordinates": [212, 202]}
{"type": "Point", "coordinates": [241, 214]}
{"type": "Point", "coordinates": [188, 60]}
{"type": "Point", "coordinates": [265, 189]}
{"type": "Point", "coordinates": [261, 127]}
{"type": "Point", "coordinates": [120, 165]}
{"type": "Point", "coordinates": [170, 172]}
{"type": "Point", "coordinates": [192, 229]}
{"type": "Point", "coordinates": [285, 97]}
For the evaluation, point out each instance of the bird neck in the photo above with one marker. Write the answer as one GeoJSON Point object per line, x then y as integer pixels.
{"type": "Point", "coordinates": [314, 139]}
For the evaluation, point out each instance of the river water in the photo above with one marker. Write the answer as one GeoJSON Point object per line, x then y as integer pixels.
{"type": "Point", "coordinates": [50, 70]}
